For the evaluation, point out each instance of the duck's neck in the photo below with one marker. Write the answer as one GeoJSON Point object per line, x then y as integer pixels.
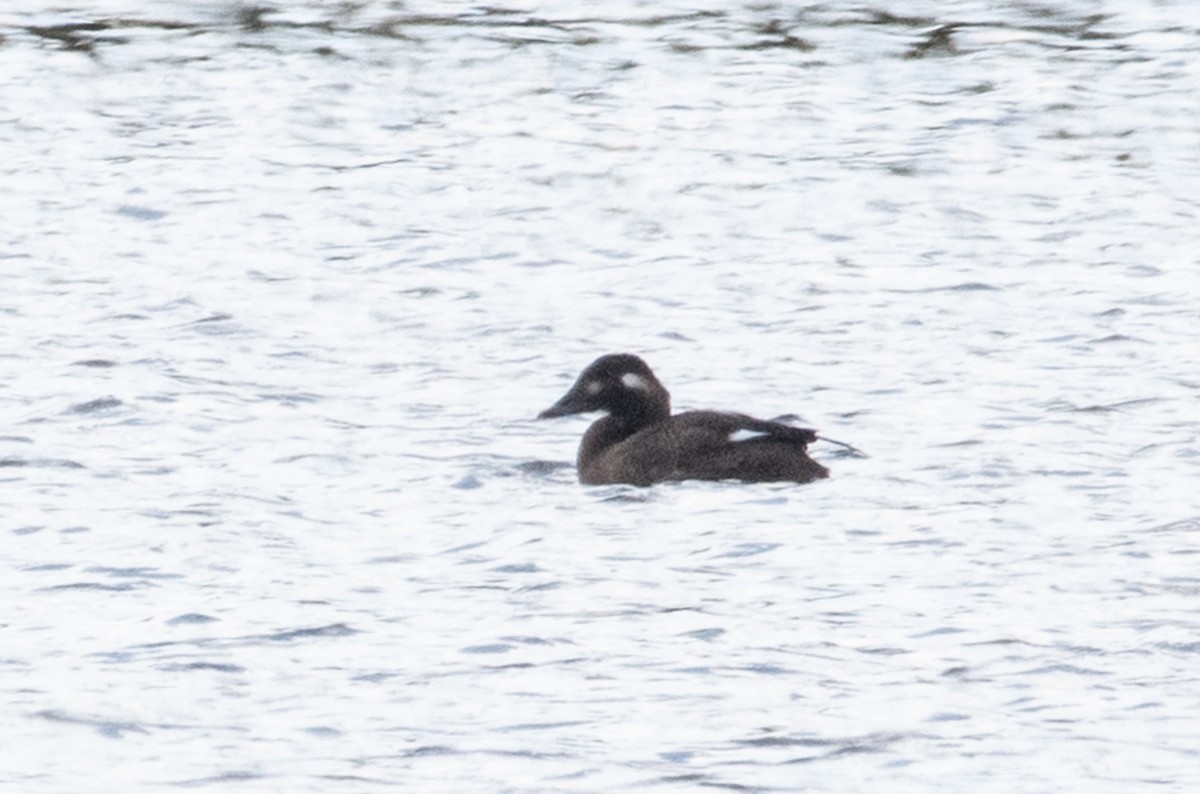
{"type": "Point", "coordinates": [625, 419]}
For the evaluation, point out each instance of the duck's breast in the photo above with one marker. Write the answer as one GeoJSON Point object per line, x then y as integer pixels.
{"type": "Point", "coordinates": [648, 456]}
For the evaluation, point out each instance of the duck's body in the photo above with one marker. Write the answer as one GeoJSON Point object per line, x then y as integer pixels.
{"type": "Point", "coordinates": [641, 443]}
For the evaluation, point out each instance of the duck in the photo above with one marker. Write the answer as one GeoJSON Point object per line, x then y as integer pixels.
{"type": "Point", "coordinates": [641, 443]}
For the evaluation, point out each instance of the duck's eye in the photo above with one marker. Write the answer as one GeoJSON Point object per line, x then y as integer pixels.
{"type": "Point", "coordinates": [632, 380]}
{"type": "Point", "coordinates": [594, 387]}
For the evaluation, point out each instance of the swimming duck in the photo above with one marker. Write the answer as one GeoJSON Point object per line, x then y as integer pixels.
{"type": "Point", "coordinates": [641, 443]}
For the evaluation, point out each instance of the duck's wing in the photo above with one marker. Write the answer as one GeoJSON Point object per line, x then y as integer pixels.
{"type": "Point", "coordinates": [724, 446]}
{"type": "Point", "coordinates": [709, 428]}
{"type": "Point", "coordinates": [742, 428]}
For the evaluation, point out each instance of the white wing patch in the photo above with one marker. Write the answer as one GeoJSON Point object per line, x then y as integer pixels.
{"type": "Point", "coordinates": [745, 435]}
{"type": "Point", "coordinates": [634, 381]}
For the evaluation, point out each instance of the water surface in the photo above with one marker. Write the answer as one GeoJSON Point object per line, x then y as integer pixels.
{"type": "Point", "coordinates": [283, 288]}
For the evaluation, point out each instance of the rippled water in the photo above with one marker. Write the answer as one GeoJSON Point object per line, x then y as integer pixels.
{"type": "Point", "coordinates": [282, 289]}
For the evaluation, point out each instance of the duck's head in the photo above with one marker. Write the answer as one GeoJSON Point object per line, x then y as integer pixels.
{"type": "Point", "coordinates": [619, 383]}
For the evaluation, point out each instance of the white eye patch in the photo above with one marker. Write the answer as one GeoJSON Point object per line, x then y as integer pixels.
{"type": "Point", "coordinates": [634, 381]}
{"type": "Point", "coordinates": [744, 435]}
{"type": "Point", "coordinates": [594, 387]}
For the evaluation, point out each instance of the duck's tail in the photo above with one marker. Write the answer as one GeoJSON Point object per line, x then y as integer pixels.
{"type": "Point", "coordinates": [855, 451]}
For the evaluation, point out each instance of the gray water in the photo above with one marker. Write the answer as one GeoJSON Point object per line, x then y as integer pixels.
{"type": "Point", "coordinates": [281, 291]}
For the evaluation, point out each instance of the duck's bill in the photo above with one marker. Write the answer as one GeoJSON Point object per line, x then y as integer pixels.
{"type": "Point", "coordinates": [563, 407]}
{"type": "Point", "coordinates": [573, 402]}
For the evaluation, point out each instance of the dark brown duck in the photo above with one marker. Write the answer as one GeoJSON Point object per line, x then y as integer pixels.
{"type": "Point", "coordinates": [641, 443]}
